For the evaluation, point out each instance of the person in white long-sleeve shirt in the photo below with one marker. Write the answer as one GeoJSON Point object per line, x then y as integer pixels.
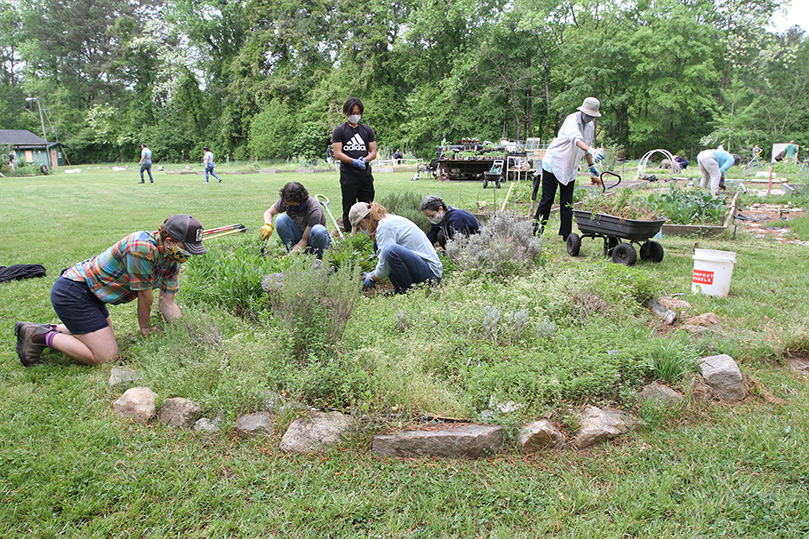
{"type": "Point", "coordinates": [406, 256]}
{"type": "Point", "coordinates": [561, 163]}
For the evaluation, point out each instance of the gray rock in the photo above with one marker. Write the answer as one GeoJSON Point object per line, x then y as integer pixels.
{"type": "Point", "coordinates": [599, 425]}
{"type": "Point", "coordinates": [121, 378]}
{"type": "Point", "coordinates": [697, 331]}
{"type": "Point", "coordinates": [659, 394]}
{"type": "Point", "coordinates": [204, 424]}
{"type": "Point", "coordinates": [470, 441]}
{"type": "Point", "coordinates": [272, 282]}
{"type": "Point", "coordinates": [724, 377]}
{"type": "Point", "coordinates": [137, 403]}
{"type": "Point", "coordinates": [258, 423]}
{"type": "Point", "coordinates": [540, 435]}
{"type": "Point", "coordinates": [316, 432]}
{"type": "Point", "coordinates": [178, 412]}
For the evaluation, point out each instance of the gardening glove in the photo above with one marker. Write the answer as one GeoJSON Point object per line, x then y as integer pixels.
{"type": "Point", "coordinates": [368, 281]}
{"type": "Point", "coordinates": [598, 155]}
{"type": "Point", "coordinates": [359, 163]}
{"type": "Point", "coordinates": [266, 231]}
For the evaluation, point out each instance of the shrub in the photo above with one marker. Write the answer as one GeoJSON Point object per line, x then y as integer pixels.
{"type": "Point", "coordinates": [314, 308]}
{"type": "Point", "coordinates": [353, 251]}
{"type": "Point", "coordinates": [407, 205]}
{"type": "Point", "coordinates": [506, 246]}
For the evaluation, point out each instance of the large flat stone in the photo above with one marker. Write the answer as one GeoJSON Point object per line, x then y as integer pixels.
{"type": "Point", "coordinates": [724, 377]}
{"type": "Point", "coordinates": [254, 424]}
{"type": "Point", "coordinates": [179, 412]}
{"type": "Point", "coordinates": [467, 441]}
{"type": "Point", "coordinates": [659, 395]}
{"type": "Point", "coordinates": [315, 432]}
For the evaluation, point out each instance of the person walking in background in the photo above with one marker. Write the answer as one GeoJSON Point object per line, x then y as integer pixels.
{"type": "Point", "coordinates": [355, 147]}
{"type": "Point", "coordinates": [791, 152]}
{"type": "Point", "coordinates": [713, 164]}
{"type": "Point", "coordinates": [145, 163]}
{"type": "Point", "coordinates": [756, 154]}
{"type": "Point", "coordinates": [12, 164]}
{"type": "Point", "coordinates": [207, 162]}
{"type": "Point", "coordinates": [127, 271]}
{"type": "Point", "coordinates": [301, 222]}
{"type": "Point", "coordinates": [561, 163]}
{"type": "Point", "coordinates": [406, 256]}
{"type": "Point", "coordinates": [329, 155]}
{"type": "Point", "coordinates": [397, 156]}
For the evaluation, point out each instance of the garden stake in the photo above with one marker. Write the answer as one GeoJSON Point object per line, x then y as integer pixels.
{"type": "Point", "coordinates": [323, 199]}
{"type": "Point", "coordinates": [503, 207]}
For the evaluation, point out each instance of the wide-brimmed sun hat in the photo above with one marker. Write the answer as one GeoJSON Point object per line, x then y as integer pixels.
{"type": "Point", "coordinates": [590, 107]}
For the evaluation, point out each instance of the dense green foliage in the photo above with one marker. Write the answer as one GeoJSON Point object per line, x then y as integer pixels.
{"type": "Point", "coordinates": [267, 78]}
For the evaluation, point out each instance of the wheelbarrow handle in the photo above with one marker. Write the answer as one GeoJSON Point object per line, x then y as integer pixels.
{"type": "Point", "coordinates": [604, 186]}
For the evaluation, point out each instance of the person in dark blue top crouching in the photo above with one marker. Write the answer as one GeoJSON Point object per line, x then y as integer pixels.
{"type": "Point", "coordinates": [447, 221]}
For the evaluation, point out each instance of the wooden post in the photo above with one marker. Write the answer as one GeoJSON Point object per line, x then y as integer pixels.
{"type": "Point", "coordinates": [769, 184]}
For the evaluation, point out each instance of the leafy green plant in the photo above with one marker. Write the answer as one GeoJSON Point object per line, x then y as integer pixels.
{"type": "Point", "coordinates": [623, 203]}
{"type": "Point", "coordinates": [353, 251]}
{"type": "Point", "coordinates": [690, 206]}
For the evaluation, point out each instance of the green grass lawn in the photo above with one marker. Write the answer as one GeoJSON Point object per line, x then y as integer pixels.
{"type": "Point", "coordinates": [70, 468]}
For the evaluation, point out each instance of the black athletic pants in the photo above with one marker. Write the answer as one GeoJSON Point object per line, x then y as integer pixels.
{"type": "Point", "coordinates": [355, 189]}
{"type": "Point", "coordinates": [549, 184]}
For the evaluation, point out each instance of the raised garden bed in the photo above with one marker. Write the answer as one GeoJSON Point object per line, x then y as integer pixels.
{"type": "Point", "coordinates": [702, 230]}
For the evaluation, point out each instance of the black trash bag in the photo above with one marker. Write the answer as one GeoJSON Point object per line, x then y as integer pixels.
{"type": "Point", "coordinates": [21, 271]}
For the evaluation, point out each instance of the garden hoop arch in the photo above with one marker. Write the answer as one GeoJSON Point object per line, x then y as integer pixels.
{"type": "Point", "coordinates": [675, 166]}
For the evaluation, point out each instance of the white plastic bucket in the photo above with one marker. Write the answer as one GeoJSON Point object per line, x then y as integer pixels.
{"type": "Point", "coordinates": [713, 271]}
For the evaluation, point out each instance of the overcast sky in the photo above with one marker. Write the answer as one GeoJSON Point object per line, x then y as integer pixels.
{"type": "Point", "coordinates": [797, 13]}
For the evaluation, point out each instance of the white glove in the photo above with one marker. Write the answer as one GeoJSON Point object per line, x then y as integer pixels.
{"type": "Point", "coordinates": [598, 155]}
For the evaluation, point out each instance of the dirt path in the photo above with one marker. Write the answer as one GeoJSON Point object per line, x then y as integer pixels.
{"type": "Point", "coordinates": [759, 218]}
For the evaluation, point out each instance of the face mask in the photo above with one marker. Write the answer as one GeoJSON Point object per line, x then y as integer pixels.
{"type": "Point", "coordinates": [587, 118]}
{"type": "Point", "coordinates": [437, 218]}
{"type": "Point", "coordinates": [176, 253]}
{"type": "Point", "coordinates": [354, 119]}
{"type": "Point", "coordinates": [299, 208]}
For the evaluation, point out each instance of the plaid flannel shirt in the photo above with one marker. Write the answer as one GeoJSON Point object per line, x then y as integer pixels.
{"type": "Point", "coordinates": [133, 264]}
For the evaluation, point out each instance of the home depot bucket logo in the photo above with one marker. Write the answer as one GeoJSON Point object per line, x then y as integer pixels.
{"type": "Point", "coordinates": [703, 277]}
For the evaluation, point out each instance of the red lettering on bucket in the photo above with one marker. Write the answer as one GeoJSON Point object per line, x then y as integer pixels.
{"type": "Point", "coordinates": [703, 277]}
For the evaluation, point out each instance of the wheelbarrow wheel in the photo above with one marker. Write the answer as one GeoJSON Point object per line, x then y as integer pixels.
{"type": "Point", "coordinates": [497, 183]}
{"type": "Point", "coordinates": [573, 244]}
{"type": "Point", "coordinates": [624, 254]}
{"type": "Point", "coordinates": [485, 182]}
{"type": "Point", "coordinates": [652, 251]}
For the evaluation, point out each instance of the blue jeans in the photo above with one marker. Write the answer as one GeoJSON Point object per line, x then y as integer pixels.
{"type": "Point", "coordinates": [147, 168]}
{"type": "Point", "coordinates": [290, 235]}
{"type": "Point", "coordinates": [210, 170]}
{"type": "Point", "coordinates": [406, 268]}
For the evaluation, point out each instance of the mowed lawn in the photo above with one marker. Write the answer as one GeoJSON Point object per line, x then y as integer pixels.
{"type": "Point", "coordinates": [70, 468]}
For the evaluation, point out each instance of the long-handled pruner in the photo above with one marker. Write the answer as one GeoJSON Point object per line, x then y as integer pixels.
{"type": "Point", "coordinates": [323, 199]}
{"type": "Point", "coordinates": [228, 233]}
{"type": "Point", "coordinates": [224, 228]}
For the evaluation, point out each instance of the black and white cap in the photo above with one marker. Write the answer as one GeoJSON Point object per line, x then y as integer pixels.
{"type": "Point", "coordinates": [188, 231]}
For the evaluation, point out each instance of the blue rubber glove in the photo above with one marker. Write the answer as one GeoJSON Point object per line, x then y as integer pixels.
{"type": "Point", "coordinates": [593, 170]}
{"type": "Point", "coordinates": [367, 281]}
{"type": "Point", "coordinates": [359, 163]}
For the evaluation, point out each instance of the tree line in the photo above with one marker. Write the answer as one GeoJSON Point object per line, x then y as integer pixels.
{"type": "Point", "coordinates": [266, 79]}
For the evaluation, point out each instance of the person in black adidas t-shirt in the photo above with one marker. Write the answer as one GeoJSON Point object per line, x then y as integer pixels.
{"type": "Point", "coordinates": [355, 147]}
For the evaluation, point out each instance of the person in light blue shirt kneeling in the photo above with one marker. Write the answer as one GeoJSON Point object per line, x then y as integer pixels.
{"type": "Point", "coordinates": [713, 164]}
{"type": "Point", "coordinates": [406, 256]}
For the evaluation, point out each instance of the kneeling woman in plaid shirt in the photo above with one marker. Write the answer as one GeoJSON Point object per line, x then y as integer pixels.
{"type": "Point", "coordinates": [129, 270]}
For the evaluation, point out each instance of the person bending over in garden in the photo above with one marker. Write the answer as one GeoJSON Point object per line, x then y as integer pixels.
{"type": "Point", "coordinates": [561, 163]}
{"type": "Point", "coordinates": [301, 223]}
{"type": "Point", "coordinates": [355, 147]}
{"type": "Point", "coordinates": [406, 256]}
{"type": "Point", "coordinates": [127, 271]}
{"type": "Point", "coordinates": [447, 221]}
{"type": "Point", "coordinates": [713, 164]}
